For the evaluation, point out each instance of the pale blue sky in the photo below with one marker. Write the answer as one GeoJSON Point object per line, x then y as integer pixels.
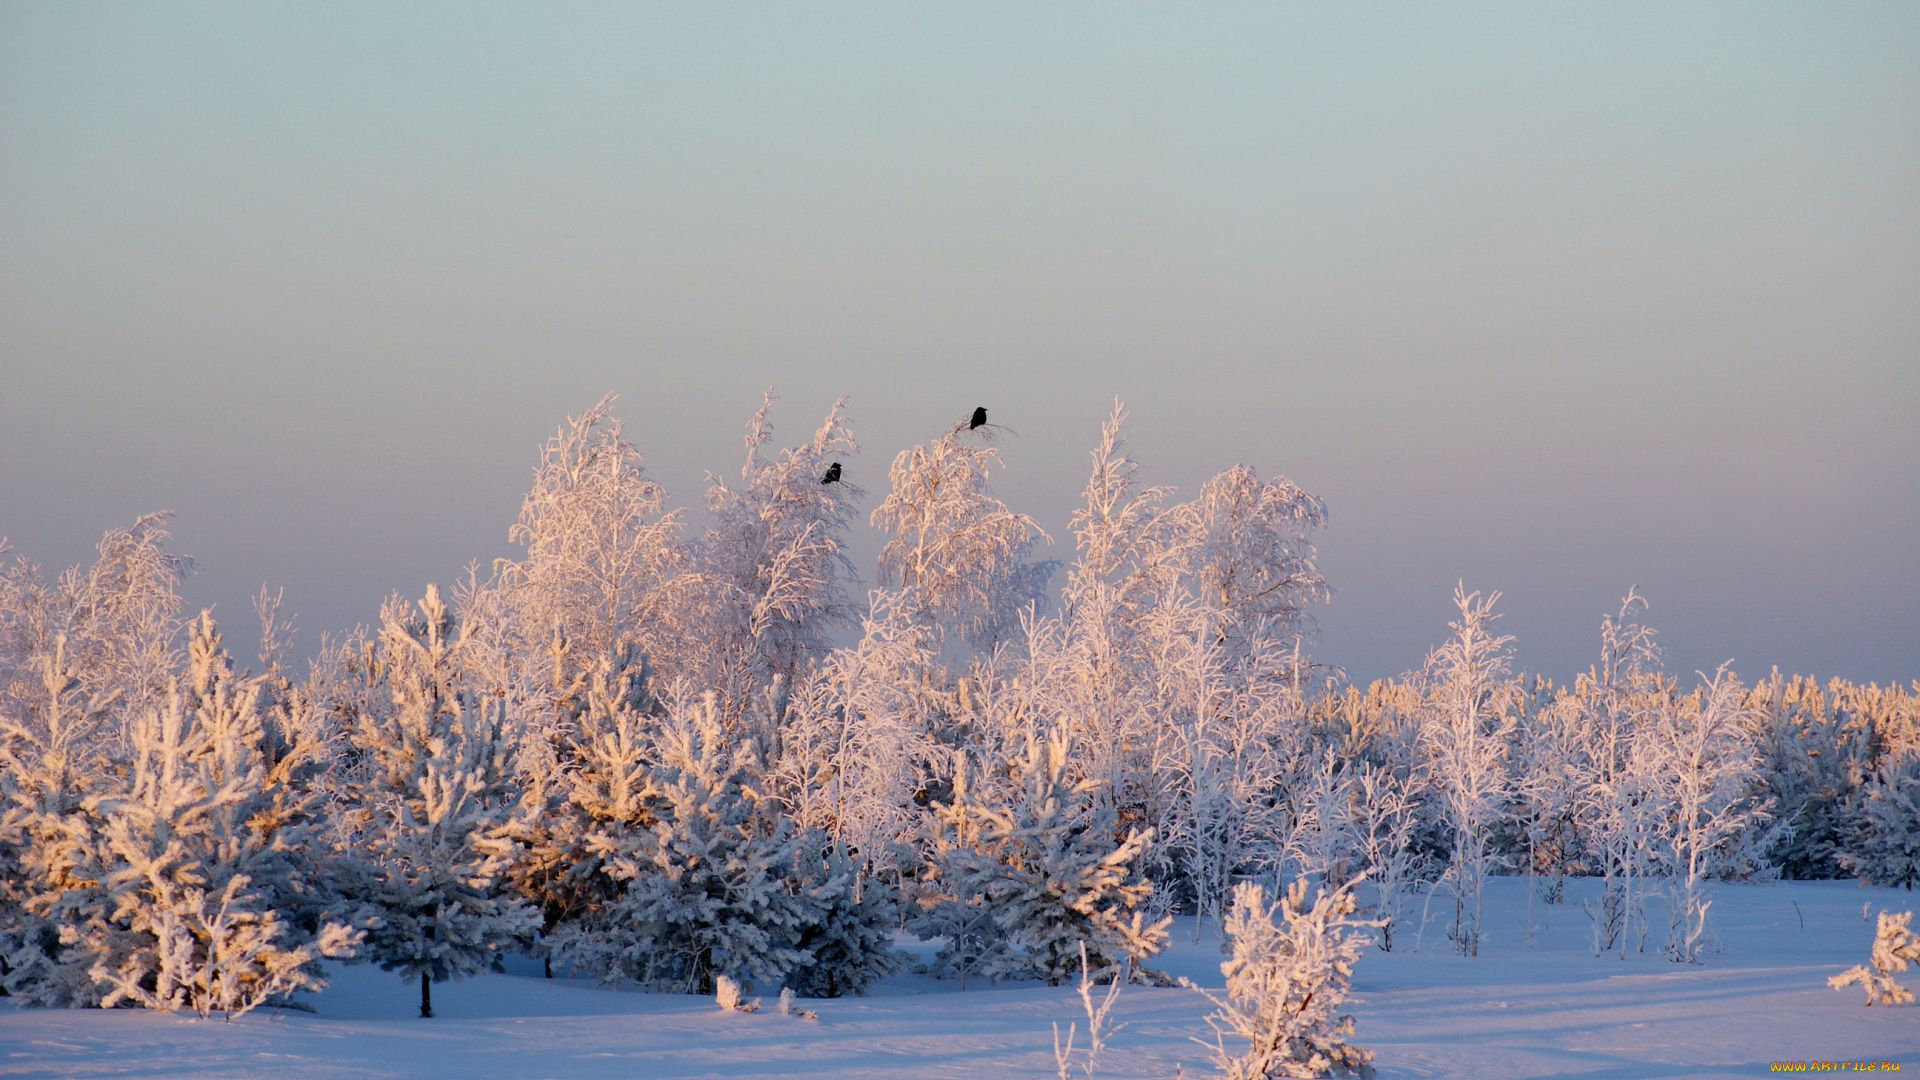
{"type": "Point", "coordinates": [1555, 299]}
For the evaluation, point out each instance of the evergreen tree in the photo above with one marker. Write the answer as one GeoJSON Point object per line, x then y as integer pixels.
{"type": "Point", "coordinates": [1885, 848]}
{"type": "Point", "coordinates": [189, 887]}
{"type": "Point", "coordinates": [708, 890]}
{"type": "Point", "coordinates": [53, 757]}
{"type": "Point", "coordinates": [431, 805]}
{"type": "Point", "coordinates": [1048, 870]}
{"type": "Point", "coordinates": [849, 940]}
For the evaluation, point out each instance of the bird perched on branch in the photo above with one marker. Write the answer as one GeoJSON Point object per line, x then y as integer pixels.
{"type": "Point", "coordinates": [833, 474]}
{"type": "Point", "coordinates": [979, 417]}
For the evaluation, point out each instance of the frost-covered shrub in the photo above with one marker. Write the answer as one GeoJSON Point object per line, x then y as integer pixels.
{"type": "Point", "coordinates": [1894, 946]}
{"type": "Point", "coordinates": [1290, 971]}
{"type": "Point", "coordinates": [727, 994]}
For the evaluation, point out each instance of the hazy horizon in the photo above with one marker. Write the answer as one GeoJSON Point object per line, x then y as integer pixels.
{"type": "Point", "coordinates": [1549, 300]}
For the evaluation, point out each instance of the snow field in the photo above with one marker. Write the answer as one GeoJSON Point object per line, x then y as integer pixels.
{"type": "Point", "coordinates": [1513, 1012]}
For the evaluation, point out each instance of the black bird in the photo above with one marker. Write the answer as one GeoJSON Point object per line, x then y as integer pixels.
{"type": "Point", "coordinates": [979, 417]}
{"type": "Point", "coordinates": [833, 474]}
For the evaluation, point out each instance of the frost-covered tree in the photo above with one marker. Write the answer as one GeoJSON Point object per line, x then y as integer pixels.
{"type": "Point", "coordinates": [1113, 637]}
{"type": "Point", "coordinates": [1894, 947]}
{"type": "Point", "coordinates": [588, 792]}
{"type": "Point", "coordinates": [1322, 841]}
{"type": "Point", "coordinates": [848, 941]}
{"type": "Point", "coordinates": [53, 755]}
{"type": "Point", "coordinates": [706, 890]}
{"type": "Point", "coordinates": [960, 550]}
{"type": "Point", "coordinates": [77, 656]}
{"type": "Point", "coordinates": [1813, 760]}
{"type": "Point", "coordinates": [122, 617]}
{"type": "Point", "coordinates": [603, 564]}
{"type": "Point", "coordinates": [1616, 792]}
{"type": "Point", "coordinates": [191, 885]}
{"type": "Point", "coordinates": [775, 559]}
{"type": "Point", "coordinates": [1464, 740]}
{"type": "Point", "coordinates": [1549, 747]}
{"type": "Point", "coordinates": [1385, 816]}
{"type": "Point", "coordinates": [1048, 868]}
{"type": "Point", "coordinates": [1704, 764]}
{"type": "Point", "coordinates": [855, 741]}
{"type": "Point", "coordinates": [1885, 849]}
{"type": "Point", "coordinates": [1290, 970]}
{"type": "Point", "coordinates": [432, 798]}
{"type": "Point", "coordinates": [1244, 552]}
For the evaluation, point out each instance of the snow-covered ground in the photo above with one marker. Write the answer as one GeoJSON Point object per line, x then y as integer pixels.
{"type": "Point", "coordinates": [1551, 1009]}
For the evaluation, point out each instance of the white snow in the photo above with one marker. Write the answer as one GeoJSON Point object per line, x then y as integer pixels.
{"type": "Point", "coordinates": [1513, 1011]}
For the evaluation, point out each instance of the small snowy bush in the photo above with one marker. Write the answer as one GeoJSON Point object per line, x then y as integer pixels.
{"type": "Point", "coordinates": [1291, 967]}
{"type": "Point", "coordinates": [1893, 947]}
{"type": "Point", "coordinates": [727, 994]}
{"type": "Point", "coordinates": [1099, 1027]}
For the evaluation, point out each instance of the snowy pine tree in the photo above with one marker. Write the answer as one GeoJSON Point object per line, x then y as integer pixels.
{"type": "Point", "coordinates": [198, 881]}
{"type": "Point", "coordinates": [77, 657]}
{"type": "Point", "coordinates": [1049, 870]}
{"type": "Point", "coordinates": [849, 939]}
{"type": "Point", "coordinates": [431, 805]}
{"type": "Point", "coordinates": [706, 891]}
{"type": "Point", "coordinates": [53, 756]}
{"type": "Point", "coordinates": [1885, 848]}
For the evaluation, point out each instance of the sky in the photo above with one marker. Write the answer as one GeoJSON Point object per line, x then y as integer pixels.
{"type": "Point", "coordinates": [1546, 299]}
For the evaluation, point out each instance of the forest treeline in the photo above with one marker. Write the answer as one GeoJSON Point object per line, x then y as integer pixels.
{"type": "Point", "coordinates": [659, 753]}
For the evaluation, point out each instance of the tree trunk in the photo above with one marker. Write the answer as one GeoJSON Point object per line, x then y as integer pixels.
{"type": "Point", "coordinates": [426, 996]}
